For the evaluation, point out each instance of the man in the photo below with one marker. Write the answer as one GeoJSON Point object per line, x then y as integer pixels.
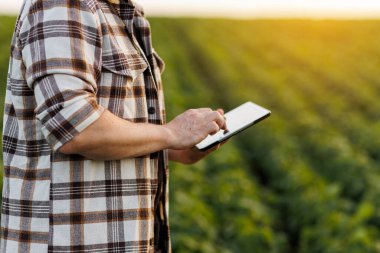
{"type": "Point", "coordinates": [85, 140]}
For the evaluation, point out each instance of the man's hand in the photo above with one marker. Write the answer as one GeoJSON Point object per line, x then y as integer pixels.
{"type": "Point", "coordinates": [194, 125]}
{"type": "Point", "coordinates": [192, 155]}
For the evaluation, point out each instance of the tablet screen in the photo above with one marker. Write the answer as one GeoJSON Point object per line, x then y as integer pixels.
{"type": "Point", "coordinates": [237, 120]}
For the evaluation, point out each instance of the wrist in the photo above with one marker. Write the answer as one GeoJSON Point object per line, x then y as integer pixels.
{"type": "Point", "coordinates": [169, 137]}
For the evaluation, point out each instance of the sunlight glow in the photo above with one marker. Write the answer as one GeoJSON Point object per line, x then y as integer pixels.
{"type": "Point", "coordinates": [352, 9]}
{"type": "Point", "coordinates": [265, 8]}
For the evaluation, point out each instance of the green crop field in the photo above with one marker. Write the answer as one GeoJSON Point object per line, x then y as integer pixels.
{"type": "Point", "coordinates": [306, 180]}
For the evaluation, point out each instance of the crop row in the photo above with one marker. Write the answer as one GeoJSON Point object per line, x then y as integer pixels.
{"type": "Point", "coordinates": [308, 161]}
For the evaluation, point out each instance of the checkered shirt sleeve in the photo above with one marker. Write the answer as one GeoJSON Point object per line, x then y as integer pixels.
{"type": "Point", "coordinates": [61, 50]}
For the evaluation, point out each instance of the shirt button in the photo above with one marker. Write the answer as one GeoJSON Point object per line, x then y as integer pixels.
{"type": "Point", "coordinates": [151, 110]}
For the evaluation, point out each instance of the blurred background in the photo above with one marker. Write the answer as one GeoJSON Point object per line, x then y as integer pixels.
{"type": "Point", "coordinates": [306, 180]}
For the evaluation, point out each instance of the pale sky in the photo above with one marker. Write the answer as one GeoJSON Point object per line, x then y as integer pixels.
{"type": "Point", "coordinates": [352, 9]}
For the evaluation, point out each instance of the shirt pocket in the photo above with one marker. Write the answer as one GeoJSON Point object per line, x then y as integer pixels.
{"type": "Point", "coordinates": [125, 61]}
{"type": "Point", "coordinates": [131, 65]}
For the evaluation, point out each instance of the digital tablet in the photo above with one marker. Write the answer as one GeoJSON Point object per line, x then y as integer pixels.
{"type": "Point", "coordinates": [237, 120]}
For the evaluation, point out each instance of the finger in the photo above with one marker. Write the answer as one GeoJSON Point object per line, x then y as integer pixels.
{"type": "Point", "coordinates": [205, 153]}
{"type": "Point", "coordinates": [204, 109]}
{"type": "Point", "coordinates": [224, 127]}
{"type": "Point", "coordinates": [224, 142]}
{"type": "Point", "coordinates": [218, 118]}
{"type": "Point", "coordinates": [216, 147]}
{"type": "Point", "coordinates": [221, 111]}
{"type": "Point", "coordinates": [213, 128]}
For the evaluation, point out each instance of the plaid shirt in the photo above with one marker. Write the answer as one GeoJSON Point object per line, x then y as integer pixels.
{"type": "Point", "coordinates": [71, 60]}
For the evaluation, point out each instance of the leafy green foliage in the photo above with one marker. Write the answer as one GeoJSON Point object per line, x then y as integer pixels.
{"type": "Point", "coordinates": [6, 30]}
{"type": "Point", "coordinates": [312, 167]}
{"type": "Point", "coordinates": [305, 180]}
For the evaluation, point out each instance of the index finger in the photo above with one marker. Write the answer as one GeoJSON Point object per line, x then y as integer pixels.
{"type": "Point", "coordinates": [219, 119]}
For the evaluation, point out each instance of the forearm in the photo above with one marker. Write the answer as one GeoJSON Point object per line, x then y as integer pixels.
{"type": "Point", "coordinates": [112, 138]}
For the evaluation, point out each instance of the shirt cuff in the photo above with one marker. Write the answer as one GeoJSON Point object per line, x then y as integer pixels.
{"type": "Point", "coordinates": [70, 121]}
